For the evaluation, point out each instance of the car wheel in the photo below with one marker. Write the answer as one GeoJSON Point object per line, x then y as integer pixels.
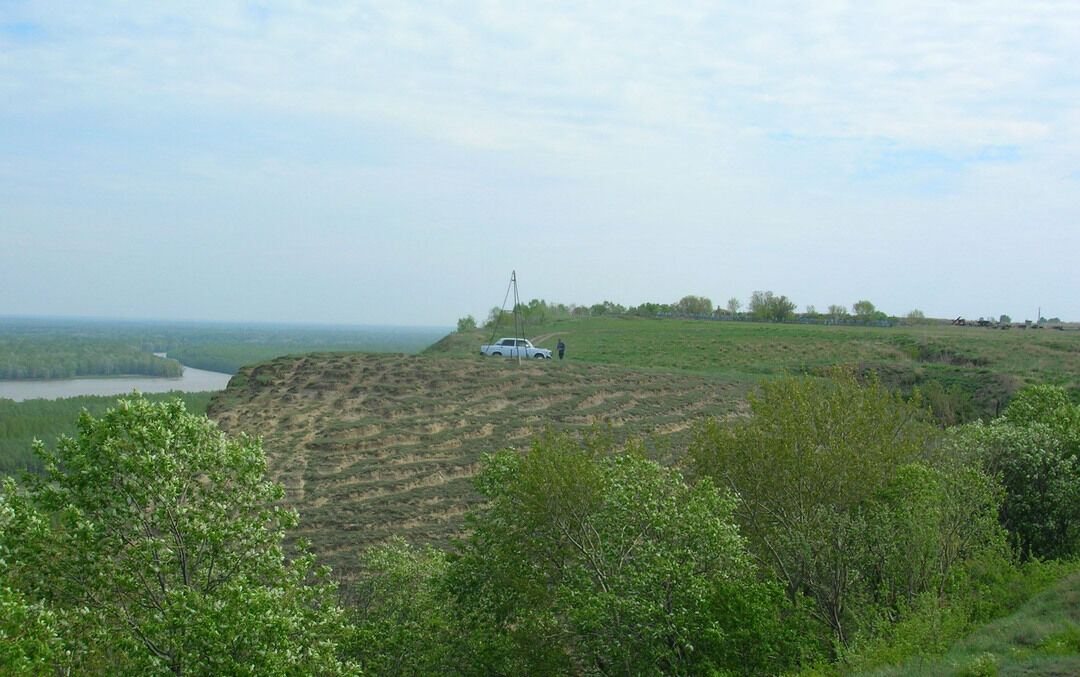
{"type": "Point", "coordinates": [496, 354]}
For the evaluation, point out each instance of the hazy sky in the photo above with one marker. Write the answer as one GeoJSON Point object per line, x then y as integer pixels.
{"type": "Point", "coordinates": [393, 162]}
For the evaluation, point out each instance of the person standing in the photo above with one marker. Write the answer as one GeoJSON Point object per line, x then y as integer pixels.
{"type": "Point", "coordinates": [562, 348]}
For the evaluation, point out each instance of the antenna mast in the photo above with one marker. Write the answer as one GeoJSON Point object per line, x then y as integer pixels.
{"type": "Point", "coordinates": [519, 322]}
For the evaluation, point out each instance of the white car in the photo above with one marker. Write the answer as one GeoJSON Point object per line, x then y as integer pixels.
{"type": "Point", "coordinates": [510, 347]}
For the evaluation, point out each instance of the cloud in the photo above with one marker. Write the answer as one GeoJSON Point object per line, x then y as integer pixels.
{"type": "Point", "coordinates": [809, 129]}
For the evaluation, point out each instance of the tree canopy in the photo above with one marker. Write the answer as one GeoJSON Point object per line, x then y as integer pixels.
{"type": "Point", "coordinates": [590, 562]}
{"type": "Point", "coordinates": [156, 545]}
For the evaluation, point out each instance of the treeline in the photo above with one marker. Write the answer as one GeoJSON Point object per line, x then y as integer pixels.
{"type": "Point", "coordinates": [23, 422]}
{"type": "Point", "coordinates": [763, 305]}
{"type": "Point", "coordinates": [43, 357]}
{"type": "Point", "coordinates": [833, 529]}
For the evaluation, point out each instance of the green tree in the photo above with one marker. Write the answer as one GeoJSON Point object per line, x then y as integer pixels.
{"type": "Point", "coordinates": [163, 552]}
{"type": "Point", "coordinates": [587, 562]}
{"type": "Point", "coordinates": [765, 305]}
{"type": "Point", "coordinates": [811, 455]}
{"type": "Point", "coordinates": [467, 323]}
{"type": "Point", "coordinates": [606, 308]}
{"type": "Point", "coordinates": [733, 305]}
{"type": "Point", "coordinates": [1034, 447]}
{"type": "Point", "coordinates": [29, 644]}
{"type": "Point", "coordinates": [837, 312]}
{"type": "Point", "coordinates": [401, 616]}
{"type": "Point", "coordinates": [863, 310]}
{"type": "Point", "coordinates": [694, 305]}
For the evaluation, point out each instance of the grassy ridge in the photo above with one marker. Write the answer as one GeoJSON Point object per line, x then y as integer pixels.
{"type": "Point", "coordinates": [965, 372]}
{"type": "Point", "coordinates": [752, 350]}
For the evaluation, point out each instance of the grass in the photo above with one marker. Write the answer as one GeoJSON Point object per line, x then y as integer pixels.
{"type": "Point", "coordinates": [1041, 638]}
{"type": "Point", "coordinates": [985, 365]}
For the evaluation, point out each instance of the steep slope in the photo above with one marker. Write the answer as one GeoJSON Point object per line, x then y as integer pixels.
{"type": "Point", "coordinates": [373, 445]}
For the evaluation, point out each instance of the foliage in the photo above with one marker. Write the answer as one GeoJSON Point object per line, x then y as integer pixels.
{"type": "Point", "coordinates": [1032, 629]}
{"type": "Point", "coordinates": [36, 356]}
{"type": "Point", "coordinates": [733, 305]}
{"type": "Point", "coordinates": [606, 308]}
{"type": "Point", "coordinates": [693, 305]}
{"type": "Point", "coordinates": [23, 422]}
{"type": "Point", "coordinates": [649, 309]}
{"type": "Point", "coordinates": [400, 612]}
{"type": "Point", "coordinates": [863, 310]}
{"type": "Point", "coordinates": [587, 562]}
{"type": "Point", "coordinates": [163, 552]}
{"type": "Point", "coordinates": [1033, 448]}
{"type": "Point", "coordinates": [28, 641]}
{"type": "Point", "coordinates": [765, 305]}
{"type": "Point", "coordinates": [467, 323]}
{"type": "Point", "coordinates": [843, 498]}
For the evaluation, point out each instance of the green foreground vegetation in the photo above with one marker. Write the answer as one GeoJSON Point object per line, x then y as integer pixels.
{"type": "Point", "coordinates": [884, 493]}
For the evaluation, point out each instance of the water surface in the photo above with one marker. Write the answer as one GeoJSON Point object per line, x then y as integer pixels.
{"type": "Point", "coordinates": [191, 381]}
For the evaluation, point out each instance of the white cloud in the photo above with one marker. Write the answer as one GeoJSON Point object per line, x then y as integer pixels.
{"type": "Point", "coordinates": [760, 127]}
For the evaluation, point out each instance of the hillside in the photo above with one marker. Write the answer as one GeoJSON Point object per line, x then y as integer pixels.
{"type": "Point", "coordinates": [370, 446]}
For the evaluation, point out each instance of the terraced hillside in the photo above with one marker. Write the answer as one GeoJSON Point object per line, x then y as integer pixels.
{"type": "Point", "coordinates": [370, 445]}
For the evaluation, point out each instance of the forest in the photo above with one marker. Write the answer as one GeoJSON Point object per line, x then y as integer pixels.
{"type": "Point", "coordinates": [57, 356]}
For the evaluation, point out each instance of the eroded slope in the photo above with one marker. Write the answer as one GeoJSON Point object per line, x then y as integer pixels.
{"type": "Point", "coordinates": [374, 445]}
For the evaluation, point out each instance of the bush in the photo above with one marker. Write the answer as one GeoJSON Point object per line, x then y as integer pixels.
{"type": "Point", "coordinates": [585, 559]}
{"type": "Point", "coordinates": [844, 499]}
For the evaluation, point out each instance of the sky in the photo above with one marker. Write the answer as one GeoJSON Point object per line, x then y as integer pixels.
{"type": "Point", "coordinates": [355, 162]}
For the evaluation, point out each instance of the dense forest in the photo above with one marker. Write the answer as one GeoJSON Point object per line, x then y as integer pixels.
{"type": "Point", "coordinates": [55, 356]}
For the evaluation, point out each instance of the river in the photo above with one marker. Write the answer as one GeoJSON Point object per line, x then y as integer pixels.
{"type": "Point", "coordinates": [191, 381]}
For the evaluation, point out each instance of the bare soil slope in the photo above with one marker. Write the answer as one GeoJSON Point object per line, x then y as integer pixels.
{"type": "Point", "coordinates": [372, 445]}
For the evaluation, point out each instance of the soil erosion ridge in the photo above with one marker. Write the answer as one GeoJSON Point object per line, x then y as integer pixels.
{"type": "Point", "coordinates": [371, 446]}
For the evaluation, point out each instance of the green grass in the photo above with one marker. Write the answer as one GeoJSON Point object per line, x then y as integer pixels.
{"type": "Point", "coordinates": [1042, 638]}
{"type": "Point", "coordinates": [978, 368]}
